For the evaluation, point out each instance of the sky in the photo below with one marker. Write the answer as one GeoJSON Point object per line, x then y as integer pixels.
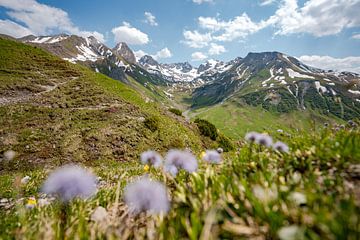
{"type": "Point", "coordinates": [321, 33]}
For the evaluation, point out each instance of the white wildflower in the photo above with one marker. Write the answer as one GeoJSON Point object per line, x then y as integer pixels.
{"type": "Point", "coordinates": [212, 156]}
{"type": "Point", "coordinates": [69, 182]}
{"type": "Point", "coordinates": [9, 155]}
{"type": "Point", "coordinates": [151, 158]}
{"type": "Point", "coordinates": [100, 214]}
{"type": "Point", "coordinates": [181, 160]}
{"type": "Point", "coordinates": [265, 194]}
{"type": "Point", "coordinates": [25, 180]}
{"type": "Point", "coordinates": [147, 195]}
{"type": "Point", "coordinates": [281, 147]}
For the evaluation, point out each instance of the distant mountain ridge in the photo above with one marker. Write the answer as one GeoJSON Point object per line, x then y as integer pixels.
{"type": "Point", "coordinates": [272, 80]}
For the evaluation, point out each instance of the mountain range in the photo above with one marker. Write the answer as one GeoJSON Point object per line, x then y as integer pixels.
{"type": "Point", "coordinates": [273, 81]}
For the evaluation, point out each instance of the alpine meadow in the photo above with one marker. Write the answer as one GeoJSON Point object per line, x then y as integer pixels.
{"type": "Point", "coordinates": [182, 119]}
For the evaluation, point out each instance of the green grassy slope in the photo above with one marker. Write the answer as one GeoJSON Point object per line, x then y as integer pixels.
{"type": "Point", "coordinates": [236, 119]}
{"type": "Point", "coordinates": [53, 112]}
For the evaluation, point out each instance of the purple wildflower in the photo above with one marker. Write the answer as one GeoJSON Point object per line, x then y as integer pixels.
{"type": "Point", "coordinates": [252, 136]}
{"type": "Point", "coordinates": [181, 160]}
{"type": "Point", "coordinates": [212, 156]}
{"type": "Point", "coordinates": [265, 140]}
{"type": "Point", "coordinates": [281, 147]}
{"type": "Point", "coordinates": [151, 158]}
{"type": "Point", "coordinates": [69, 182]}
{"type": "Point", "coordinates": [147, 195]}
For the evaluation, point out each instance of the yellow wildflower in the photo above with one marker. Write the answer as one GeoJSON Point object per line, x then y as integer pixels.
{"type": "Point", "coordinates": [146, 168]}
{"type": "Point", "coordinates": [202, 154]}
{"type": "Point", "coordinates": [31, 203]}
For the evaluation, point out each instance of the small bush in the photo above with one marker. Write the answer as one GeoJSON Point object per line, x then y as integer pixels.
{"type": "Point", "coordinates": [206, 128]}
{"type": "Point", "coordinates": [176, 111]}
{"type": "Point", "coordinates": [225, 143]}
{"type": "Point", "coordinates": [152, 123]}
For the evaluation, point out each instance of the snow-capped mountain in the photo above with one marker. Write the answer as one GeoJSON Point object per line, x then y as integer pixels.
{"type": "Point", "coordinates": [123, 50]}
{"type": "Point", "coordinates": [277, 81]}
{"type": "Point", "coordinates": [184, 72]}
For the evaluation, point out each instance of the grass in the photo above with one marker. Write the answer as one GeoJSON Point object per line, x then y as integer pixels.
{"type": "Point", "coordinates": [248, 196]}
{"type": "Point", "coordinates": [236, 119]}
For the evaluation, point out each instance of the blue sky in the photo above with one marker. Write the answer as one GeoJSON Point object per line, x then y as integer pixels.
{"type": "Point", "coordinates": [324, 33]}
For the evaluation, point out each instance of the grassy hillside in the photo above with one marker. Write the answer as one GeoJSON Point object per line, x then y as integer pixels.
{"type": "Point", "coordinates": [235, 118]}
{"type": "Point", "coordinates": [256, 193]}
{"type": "Point", "coordinates": [54, 112]}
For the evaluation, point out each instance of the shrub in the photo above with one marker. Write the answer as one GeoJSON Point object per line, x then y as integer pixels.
{"type": "Point", "coordinates": [225, 143]}
{"type": "Point", "coordinates": [176, 111]}
{"type": "Point", "coordinates": [206, 128]}
{"type": "Point", "coordinates": [152, 123]}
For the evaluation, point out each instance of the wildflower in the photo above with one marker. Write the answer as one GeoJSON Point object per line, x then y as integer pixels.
{"type": "Point", "coordinates": [151, 158]}
{"type": "Point", "coordinates": [146, 168]}
{"type": "Point", "coordinates": [252, 136]}
{"type": "Point", "coordinates": [220, 150]}
{"type": "Point", "coordinates": [69, 182]}
{"type": "Point", "coordinates": [264, 139]}
{"type": "Point", "coordinates": [281, 147]}
{"type": "Point", "coordinates": [181, 160]}
{"type": "Point", "coordinates": [252, 164]}
{"type": "Point", "coordinates": [298, 198]}
{"type": "Point", "coordinates": [296, 177]}
{"type": "Point", "coordinates": [43, 202]}
{"type": "Point", "coordinates": [25, 180]}
{"type": "Point", "coordinates": [172, 170]}
{"type": "Point", "coordinates": [31, 203]}
{"type": "Point", "coordinates": [292, 232]}
{"type": "Point", "coordinates": [280, 131]}
{"type": "Point", "coordinates": [202, 154]}
{"type": "Point", "coordinates": [99, 214]}
{"type": "Point", "coordinates": [265, 194]}
{"type": "Point", "coordinates": [9, 155]}
{"type": "Point", "coordinates": [147, 195]}
{"type": "Point", "coordinates": [212, 156]}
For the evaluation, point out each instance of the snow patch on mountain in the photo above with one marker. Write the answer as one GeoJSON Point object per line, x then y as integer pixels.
{"type": "Point", "coordinates": [293, 74]}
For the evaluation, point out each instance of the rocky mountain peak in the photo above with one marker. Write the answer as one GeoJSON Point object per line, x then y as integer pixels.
{"type": "Point", "coordinates": [123, 50]}
{"type": "Point", "coordinates": [148, 60]}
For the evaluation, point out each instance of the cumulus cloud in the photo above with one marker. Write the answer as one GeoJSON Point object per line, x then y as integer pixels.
{"type": "Point", "coordinates": [150, 19]}
{"type": "Point", "coordinates": [13, 29]}
{"type": "Point", "coordinates": [194, 39]}
{"type": "Point", "coordinates": [202, 1]}
{"type": "Point", "coordinates": [316, 17]}
{"type": "Point", "coordinates": [216, 49]}
{"type": "Point", "coordinates": [163, 53]}
{"type": "Point", "coordinates": [198, 56]}
{"type": "Point", "coordinates": [351, 64]}
{"type": "Point", "coordinates": [130, 35]}
{"type": "Point", "coordinates": [41, 19]}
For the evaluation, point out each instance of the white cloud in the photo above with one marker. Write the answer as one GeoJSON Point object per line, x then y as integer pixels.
{"type": "Point", "coordinates": [356, 36]}
{"type": "Point", "coordinates": [130, 35]}
{"type": "Point", "coordinates": [266, 2]}
{"type": "Point", "coordinates": [139, 54]}
{"type": "Point", "coordinates": [239, 27]}
{"type": "Point", "coordinates": [351, 64]}
{"type": "Point", "coordinates": [198, 56]}
{"type": "Point", "coordinates": [194, 39]}
{"type": "Point", "coordinates": [41, 19]}
{"type": "Point", "coordinates": [13, 29]}
{"type": "Point", "coordinates": [163, 53]}
{"type": "Point", "coordinates": [202, 1]}
{"type": "Point", "coordinates": [150, 19]}
{"type": "Point", "coordinates": [316, 17]}
{"type": "Point", "coordinates": [216, 49]}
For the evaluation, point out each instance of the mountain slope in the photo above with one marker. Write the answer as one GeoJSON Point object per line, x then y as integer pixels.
{"type": "Point", "coordinates": [53, 112]}
{"type": "Point", "coordinates": [282, 84]}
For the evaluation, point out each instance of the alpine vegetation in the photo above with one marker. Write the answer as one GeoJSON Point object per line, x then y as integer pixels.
{"type": "Point", "coordinates": [147, 195]}
{"type": "Point", "coordinates": [69, 182]}
{"type": "Point", "coordinates": [180, 160]}
{"type": "Point", "coordinates": [212, 156]}
{"type": "Point", "coordinates": [151, 158]}
{"type": "Point", "coordinates": [281, 147]}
